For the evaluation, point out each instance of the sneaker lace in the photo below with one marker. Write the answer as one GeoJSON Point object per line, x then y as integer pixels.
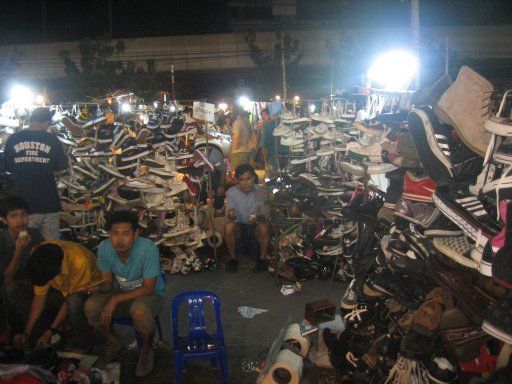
{"type": "Point", "coordinates": [487, 105]}
{"type": "Point", "coordinates": [355, 314]}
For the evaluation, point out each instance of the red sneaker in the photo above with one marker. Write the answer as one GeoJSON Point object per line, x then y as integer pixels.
{"type": "Point", "coordinates": [418, 188]}
{"type": "Point", "coordinates": [193, 188]}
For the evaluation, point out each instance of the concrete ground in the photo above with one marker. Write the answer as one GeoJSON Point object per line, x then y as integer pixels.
{"type": "Point", "coordinates": [247, 340]}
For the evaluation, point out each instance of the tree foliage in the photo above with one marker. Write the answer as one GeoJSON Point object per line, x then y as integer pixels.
{"type": "Point", "coordinates": [100, 70]}
{"type": "Point", "coordinates": [268, 79]}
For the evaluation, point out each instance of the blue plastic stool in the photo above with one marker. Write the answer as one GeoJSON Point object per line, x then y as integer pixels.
{"type": "Point", "coordinates": [129, 322]}
{"type": "Point", "coordinates": [198, 344]}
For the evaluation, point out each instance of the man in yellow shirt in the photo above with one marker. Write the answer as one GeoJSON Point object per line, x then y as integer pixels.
{"type": "Point", "coordinates": [61, 272]}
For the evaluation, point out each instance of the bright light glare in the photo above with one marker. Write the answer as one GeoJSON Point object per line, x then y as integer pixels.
{"type": "Point", "coordinates": [21, 95]}
{"type": "Point", "coordinates": [172, 108]}
{"type": "Point", "coordinates": [243, 100]}
{"type": "Point", "coordinates": [125, 107]}
{"type": "Point", "coordinates": [155, 104]}
{"type": "Point", "coordinates": [296, 98]}
{"type": "Point", "coordinates": [39, 99]}
{"type": "Point", "coordinates": [278, 97]}
{"type": "Point", "coordinates": [223, 106]}
{"type": "Point", "coordinates": [245, 103]}
{"type": "Point", "coordinates": [312, 108]}
{"type": "Point", "coordinates": [394, 70]}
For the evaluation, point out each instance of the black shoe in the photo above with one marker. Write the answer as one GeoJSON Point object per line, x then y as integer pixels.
{"type": "Point", "coordinates": [441, 370]}
{"type": "Point", "coordinates": [261, 266]}
{"type": "Point", "coordinates": [498, 322]}
{"type": "Point", "coordinates": [232, 266]}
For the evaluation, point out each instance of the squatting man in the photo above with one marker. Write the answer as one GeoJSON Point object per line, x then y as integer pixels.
{"type": "Point", "coordinates": [247, 215]}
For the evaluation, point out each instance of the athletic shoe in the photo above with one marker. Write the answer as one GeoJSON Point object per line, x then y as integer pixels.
{"type": "Point", "coordinates": [67, 139]}
{"type": "Point", "coordinates": [111, 170]}
{"type": "Point", "coordinates": [466, 105]}
{"type": "Point", "coordinates": [418, 188]}
{"type": "Point", "coordinates": [193, 188]}
{"type": "Point", "coordinates": [503, 152]}
{"type": "Point", "coordinates": [104, 135]}
{"type": "Point", "coordinates": [367, 168]}
{"type": "Point", "coordinates": [102, 186]}
{"type": "Point", "coordinates": [502, 263]}
{"type": "Point", "coordinates": [371, 153]}
{"type": "Point", "coordinates": [456, 248]}
{"type": "Point", "coordinates": [498, 125]}
{"type": "Point", "coordinates": [158, 140]}
{"type": "Point", "coordinates": [153, 123]}
{"type": "Point", "coordinates": [96, 119]}
{"type": "Point", "coordinates": [85, 172]}
{"type": "Point", "coordinates": [119, 137]}
{"type": "Point", "coordinates": [134, 154]}
{"type": "Point", "coordinates": [432, 141]}
{"type": "Point", "coordinates": [291, 141]}
{"type": "Point", "coordinates": [422, 214]}
{"type": "Point", "coordinates": [498, 322]}
{"type": "Point", "coordinates": [203, 160]}
{"type": "Point", "coordinates": [101, 150]}
{"type": "Point", "coordinates": [154, 163]}
{"type": "Point", "coordinates": [161, 173]}
{"type": "Point", "coordinates": [440, 370]}
{"type": "Point", "coordinates": [374, 128]}
{"type": "Point", "coordinates": [467, 212]}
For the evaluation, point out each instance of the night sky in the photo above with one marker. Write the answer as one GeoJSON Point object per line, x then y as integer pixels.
{"type": "Point", "coordinates": [21, 20]}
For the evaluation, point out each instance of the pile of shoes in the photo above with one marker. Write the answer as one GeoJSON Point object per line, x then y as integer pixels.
{"type": "Point", "coordinates": [140, 160]}
{"type": "Point", "coordinates": [432, 302]}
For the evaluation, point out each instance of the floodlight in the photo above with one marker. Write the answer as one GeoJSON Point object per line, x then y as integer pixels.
{"type": "Point", "coordinates": [296, 98]}
{"type": "Point", "coordinates": [394, 70]}
{"type": "Point", "coordinates": [126, 107]}
{"type": "Point", "coordinates": [223, 106]}
{"type": "Point", "coordinates": [172, 108]}
{"type": "Point", "coordinates": [312, 108]}
{"type": "Point", "coordinates": [21, 95]}
{"type": "Point", "coordinates": [278, 97]}
{"type": "Point", "coordinates": [39, 99]}
{"type": "Point", "coordinates": [243, 100]}
{"type": "Point", "coordinates": [155, 104]}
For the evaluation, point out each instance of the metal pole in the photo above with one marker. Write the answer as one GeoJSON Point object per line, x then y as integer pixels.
{"type": "Point", "coordinates": [415, 27]}
{"type": "Point", "coordinates": [44, 20]}
{"type": "Point", "coordinates": [209, 198]}
{"type": "Point", "coordinates": [446, 56]}
{"type": "Point", "coordinates": [110, 27]}
{"type": "Point", "coordinates": [174, 89]}
{"type": "Point", "coordinates": [283, 67]}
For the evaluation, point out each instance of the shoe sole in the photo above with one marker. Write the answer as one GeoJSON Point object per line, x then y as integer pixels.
{"type": "Point", "coordinates": [112, 172]}
{"type": "Point", "coordinates": [498, 129]}
{"type": "Point", "coordinates": [371, 292]}
{"type": "Point", "coordinates": [103, 187]}
{"type": "Point", "coordinates": [136, 156]}
{"type": "Point", "coordinates": [497, 333]}
{"type": "Point", "coordinates": [437, 381]}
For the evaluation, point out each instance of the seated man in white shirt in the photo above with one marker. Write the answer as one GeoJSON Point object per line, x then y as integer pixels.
{"type": "Point", "coordinates": [247, 212]}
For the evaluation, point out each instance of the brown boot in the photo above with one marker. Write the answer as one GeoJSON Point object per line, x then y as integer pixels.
{"type": "Point", "coordinates": [466, 105]}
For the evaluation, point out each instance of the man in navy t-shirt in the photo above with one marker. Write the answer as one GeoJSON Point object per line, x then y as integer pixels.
{"type": "Point", "coordinates": [34, 157]}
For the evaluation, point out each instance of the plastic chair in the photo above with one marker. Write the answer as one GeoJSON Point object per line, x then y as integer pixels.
{"type": "Point", "coordinates": [129, 322]}
{"type": "Point", "coordinates": [198, 344]}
